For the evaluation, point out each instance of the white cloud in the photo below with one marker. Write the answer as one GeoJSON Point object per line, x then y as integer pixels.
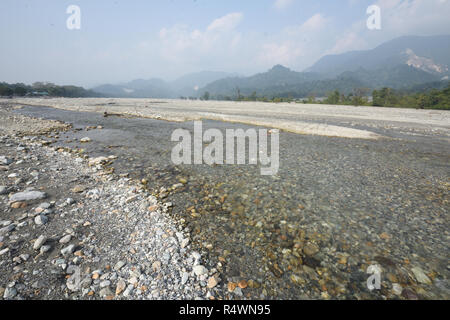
{"type": "Point", "coordinates": [181, 44]}
{"type": "Point", "coordinates": [295, 45]}
{"type": "Point", "coordinates": [348, 42]}
{"type": "Point", "coordinates": [226, 23]}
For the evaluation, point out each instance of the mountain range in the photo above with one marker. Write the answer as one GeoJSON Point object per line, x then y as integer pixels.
{"type": "Point", "coordinates": [402, 63]}
{"type": "Point", "coordinates": [187, 85]}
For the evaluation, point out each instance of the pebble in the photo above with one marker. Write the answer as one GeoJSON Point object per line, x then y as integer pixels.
{"type": "Point", "coordinates": [184, 278]}
{"type": "Point", "coordinates": [7, 229]}
{"type": "Point", "coordinates": [24, 256]}
{"type": "Point", "coordinates": [9, 293]}
{"type": "Point", "coordinates": [39, 242]}
{"type": "Point", "coordinates": [85, 139]}
{"type": "Point", "coordinates": [311, 249]}
{"type": "Point", "coordinates": [4, 160]}
{"type": "Point", "coordinates": [156, 266]}
{"type": "Point", "coordinates": [65, 239]}
{"type": "Point", "coordinates": [3, 190]}
{"type": "Point", "coordinates": [199, 270]}
{"type": "Point", "coordinates": [44, 205]}
{"type": "Point", "coordinates": [78, 189]}
{"type": "Point", "coordinates": [397, 289]}
{"type": "Point", "coordinates": [119, 265]}
{"type": "Point", "coordinates": [27, 196]}
{"type": "Point", "coordinates": [238, 292]}
{"type": "Point", "coordinates": [17, 205]}
{"type": "Point", "coordinates": [68, 250]}
{"type": "Point", "coordinates": [420, 275]}
{"type": "Point", "coordinates": [45, 249]}
{"type": "Point", "coordinates": [242, 284]}
{"type": "Point", "coordinates": [213, 281]}
{"type": "Point", "coordinates": [231, 286]}
{"type": "Point", "coordinates": [409, 294]}
{"type": "Point", "coordinates": [121, 285]}
{"type": "Point", "coordinates": [184, 243]}
{"type": "Point", "coordinates": [40, 219]}
{"type": "Point", "coordinates": [97, 161]}
{"type": "Point", "coordinates": [4, 251]}
{"type": "Point", "coordinates": [105, 292]}
{"type": "Point", "coordinates": [196, 255]}
{"type": "Point", "coordinates": [128, 290]}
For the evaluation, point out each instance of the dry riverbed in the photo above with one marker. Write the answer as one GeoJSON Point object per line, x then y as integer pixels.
{"type": "Point", "coordinates": [70, 229]}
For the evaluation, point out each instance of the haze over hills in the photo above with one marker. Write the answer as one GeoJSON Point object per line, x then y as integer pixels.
{"type": "Point", "coordinates": [186, 85]}
{"type": "Point", "coordinates": [402, 63]}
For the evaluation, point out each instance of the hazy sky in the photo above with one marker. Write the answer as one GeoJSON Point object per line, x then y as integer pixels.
{"type": "Point", "coordinates": [121, 40]}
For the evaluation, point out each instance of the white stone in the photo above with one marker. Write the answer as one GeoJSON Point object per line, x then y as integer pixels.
{"type": "Point", "coordinates": [27, 196]}
{"type": "Point", "coordinates": [40, 219]}
{"type": "Point", "coordinates": [39, 242]}
{"type": "Point", "coordinates": [420, 275]}
{"type": "Point", "coordinates": [65, 239]}
{"type": "Point", "coordinates": [199, 270]}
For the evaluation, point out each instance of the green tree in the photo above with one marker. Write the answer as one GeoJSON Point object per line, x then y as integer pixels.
{"type": "Point", "coordinates": [205, 96]}
{"type": "Point", "coordinates": [333, 97]}
{"type": "Point", "coordinates": [20, 91]}
{"type": "Point", "coordinates": [5, 90]}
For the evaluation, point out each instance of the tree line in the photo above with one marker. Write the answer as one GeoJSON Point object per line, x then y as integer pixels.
{"type": "Point", "coordinates": [385, 97]}
{"type": "Point", "coordinates": [45, 89]}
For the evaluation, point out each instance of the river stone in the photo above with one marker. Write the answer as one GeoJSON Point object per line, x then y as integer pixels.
{"type": "Point", "coordinates": [65, 239]}
{"type": "Point", "coordinates": [7, 229]}
{"type": "Point", "coordinates": [40, 219]}
{"type": "Point", "coordinates": [27, 196]}
{"type": "Point", "coordinates": [44, 205]}
{"type": "Point", "coordinates": [119, 265]}
{"type": "Point", "coordinates": [200, 270]}
{"type": "Point", "coordinates": [97, 161]}
{"type": "Point", "coordinates": [39, 242]}
{"type": "Point", "coordinates": [184, 278]}
{"type": "Point", "coordinates": [9, 293]}
{"type": "Point", "coordinates": [68, 250]}
{"type": "Point", "coordinates": [421, 277]}
{"type": "Point", "coordinates": [3, 190]}
{"type": "Point", "coordinates": [121, 285]}
{"type": "Point", "coordinates": [45, 249]}
{"type": "Point", "coordinates": [5, 160]}
{"type": "Point", "coordinates": [311, 249]}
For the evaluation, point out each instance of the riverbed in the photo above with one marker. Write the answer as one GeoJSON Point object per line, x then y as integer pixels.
{"type": "Point", "coordinates": [336, 206]}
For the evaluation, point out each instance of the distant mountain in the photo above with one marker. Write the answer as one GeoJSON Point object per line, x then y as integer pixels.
{"type": "Point", "coordinates": [157, 88]}
{"type": "Point", "coordinates": [430, 54]}
{"type": "Point", "coordinates": [397, 77]}
{"type": "Point", "coordinates": [402, 63]}
{"type": "Point", "coordinates": [189, 84]}
{"type": "Point", "coordinates": [283, 82]}
{"type": "Point", "coordinates": [277, 79]}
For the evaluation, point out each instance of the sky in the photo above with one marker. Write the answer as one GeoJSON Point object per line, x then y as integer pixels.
{"type": "Point", "coordinates": [122, 40]}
